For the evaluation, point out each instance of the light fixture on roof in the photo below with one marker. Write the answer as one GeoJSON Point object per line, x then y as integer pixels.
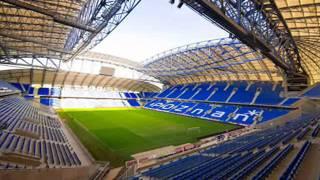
{"type": "Point", "coordinates": [180, 4]}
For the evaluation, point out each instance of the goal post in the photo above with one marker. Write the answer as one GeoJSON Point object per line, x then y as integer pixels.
{"type": "Point", "coordinates": [193, 130]}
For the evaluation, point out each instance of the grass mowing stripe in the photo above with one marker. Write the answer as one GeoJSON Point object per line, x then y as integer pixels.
{"type": "Point", "coordinates": [91, 134]}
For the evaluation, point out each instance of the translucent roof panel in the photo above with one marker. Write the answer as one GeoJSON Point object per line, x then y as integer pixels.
{"type": "Point", "coordinates": [214, 60]}
{"type": "Point", "coordinates": [57, 29]}
{"type": "Point", "coordinates": [303, 20]}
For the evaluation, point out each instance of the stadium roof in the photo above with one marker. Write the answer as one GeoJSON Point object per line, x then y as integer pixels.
{"type": "Point", "coordinates": [214, 60]}
{"type": "Point", "coordinates": [62, 29]}
{"type": "Point", "coordinates": [303, 20]}
{"type": "Point", "coordinates": [229, 59]}
{"type": "Point", "coordinates": [75, 79]}
{"type": "Point", "coordinates": [57, 29]}
{"type": "Point", "coordinates": [110, 59]}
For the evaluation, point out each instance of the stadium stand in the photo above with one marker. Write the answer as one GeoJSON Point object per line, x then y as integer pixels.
{"type": "Point", "coordinates": [234, 92]}
{"type": "Point", "coordinates": [32, 137]}
{"type": "Point", "coordinates": [204, 91]}
{"type": "Point", "coordinates": [132, 98]}
{"type": "Point", "coordinates": [148, 94]}
{"type": "Point", "coordinates": [293, 166]}
{"type": "Point", "coordinates": [7, 89]}
{"type": "Point", "coordinates": [313, 91]}
{"type": "Point", "coordinates": [289, 101]}
{"type": "Point", "coordinates": [222, 92]}
{"type": "Point", "coordinates": [233, 96]}
{"type": "Point", "coordinates": [68, 97]}
{"type": "Point", "coordinates": [244, 93]}
{"type": "Point", "coordinates": [269, 94]}
{"type": "Point", "coordinates": [225, 113]}
{"type": "Point", "coordinates": [240, 157]}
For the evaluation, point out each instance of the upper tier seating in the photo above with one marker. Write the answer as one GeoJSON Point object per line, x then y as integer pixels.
{"type": "Point", "coordinates": [257, 153]}
{"type": "Point", "coordinates": [148, 94]}
{"type": "Point", "coordinates": [188, 92]}
{"type": "Point", "coordinates": [264, 93]}
{"type": "Point", "coordinates": [244, 92]}
{"type": "Point", "coordinates": [204, 91]}
{"type": "Point", "coordinates": [32, 137]}
{"type": "Point", "coordinates": [269, 95]}
{"type": "Point", "coordinates": [177, 91]}
{"type": "Point", "coordinates": [222, 92]}
{"type": "Point", "coordinates": [166, 92]}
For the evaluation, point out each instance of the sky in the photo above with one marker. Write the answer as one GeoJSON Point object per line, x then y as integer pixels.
{"type": "Point", "coordinates": [155, 26]}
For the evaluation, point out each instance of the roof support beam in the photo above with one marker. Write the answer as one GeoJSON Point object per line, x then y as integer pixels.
{"type": "Point", "coordinates": [230, 17]}
{"type": "Point", "coordinates": [56, 17]}
{"type": "Point", "coordinates": [217, 15]}
{"type": "Point", "coordinates": [44, 72]}
{"type": "Point", "coordinates": [260, 25]}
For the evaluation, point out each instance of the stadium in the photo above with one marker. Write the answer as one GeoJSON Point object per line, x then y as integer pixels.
{"type": "Point", "coordinates": [246, 106]}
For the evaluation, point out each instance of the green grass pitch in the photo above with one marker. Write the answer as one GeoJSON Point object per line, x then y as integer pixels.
{"type": "Point", "coordinates": [114, 134]}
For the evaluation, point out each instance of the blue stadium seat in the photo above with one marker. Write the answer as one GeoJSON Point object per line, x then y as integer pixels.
{"type": "Point", "coordinates": [294, 165]}
{"type": "Point", "coordinates": [222, 94]}
{"type": "Point", "coordinates": [239, 93]}
{"type": "Point", "coordinates": [246, 115]}
{"type": "Point", "coordinates": [290, 101]}
{"type": "Point", "coordinates": [199, 110]}
{"type": "Point", "coordinates": [183, 107]}
{"type": "Point", "coordinates": [269, 114]}
{"type": "Point", "coordinates": [177, 91]}
{"type": "Point", "coordinates": [268, 95]}
{"type": "Point", "coordinates": [313, 92]}
{"type": "Point", "coordinates": [263, 173]}
{"type": "Point", "coordinates": [166, 92]}
{"type": "Point", "coordinates": [243, 95]}
{"type": "Point", "coordinates": [239, 157]}
{"type": "Point", "coordinates": [169, 105]}
{"type": "Point", "coordinates": [204, 91]}
{"type": "Point", "coordinates": [221, 112]}
{"type": "Point", "coordinates": [133, 102]}
{"type": "Point", "coordinates": [189, 91]}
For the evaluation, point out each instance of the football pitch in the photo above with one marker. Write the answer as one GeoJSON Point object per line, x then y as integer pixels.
{"type": "Point", "coordinates": [113, 134]}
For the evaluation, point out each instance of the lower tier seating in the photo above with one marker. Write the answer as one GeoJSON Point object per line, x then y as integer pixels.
{"type": "Point", "coordinates": [293, 166]}
{"type": "Point", "coordinates": [7, 89]}
{"type": "Point", "coordinates": [255, 154]}
{"type": "Point", "coordinates": [225, 113]}
{"type": "Point", "coordinates": [32, 137]}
